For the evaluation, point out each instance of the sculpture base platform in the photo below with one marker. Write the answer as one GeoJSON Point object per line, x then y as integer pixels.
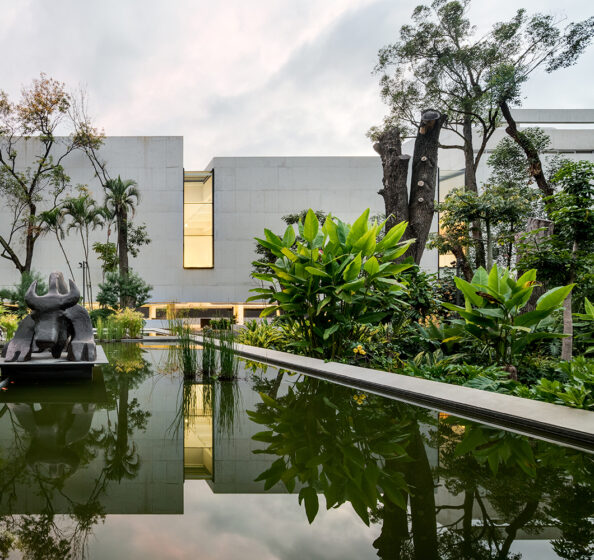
{"type": "Point", "coordinates": [44, 367]}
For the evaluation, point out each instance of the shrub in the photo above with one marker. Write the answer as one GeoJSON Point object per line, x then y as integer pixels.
{"type": "Point", "coordinates": [9, 323]}
{"type": "Point", "coordinates": [261, 334]}
{"type": "Point", "coordinates": [130, 322]}
{"type": "Point", "coordinates": [493, 316]}
{"type": "Point", "coordinates": [132, 287]}
{"type": "Point", "coordinates": [338, 278]}
{"type": "Point", "coordinates": [16, 295]}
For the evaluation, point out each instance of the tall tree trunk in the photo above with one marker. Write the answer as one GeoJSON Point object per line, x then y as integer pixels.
{"type": "Point", "coordinates": [535, 165]}
{"type": "Point", "coordinates": [123, 252]}
{"type": "Point", "coordinates": [567, 344]}
{"type": "Point", "coordinates": [471, 184]}
{"type": "Point", "coordinates": [423, 180]}
{"type": "Point", "coordinates": [395, 166]}
{"type": "Point", "coordinates": [422, 499]}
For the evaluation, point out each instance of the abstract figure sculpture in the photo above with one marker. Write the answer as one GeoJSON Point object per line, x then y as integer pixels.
{"type": "Point", "coordinates": [55, 323]}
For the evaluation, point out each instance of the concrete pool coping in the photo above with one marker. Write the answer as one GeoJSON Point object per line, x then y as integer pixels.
{"type": "Point", "coordinates": [559, 424]}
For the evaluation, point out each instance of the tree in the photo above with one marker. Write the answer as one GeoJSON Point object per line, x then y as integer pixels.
{"type": "Point", "coordinates": [418, 209]}
{"type": "Point", "coordinates": [32, 124]}
{"type": "Point", "coordinates": [53, 222]}
{"type": "Point", "coordinates": [567, 255]}
{"type": "Point", "coordinates": [121, 198]}
{"type": "Point", "coordinates": [439, 61]}
{"type": "Point", "coordinates": [85, 216]}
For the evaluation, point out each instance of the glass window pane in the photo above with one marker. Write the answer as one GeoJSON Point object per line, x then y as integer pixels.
{"type": "Point", "coordinates": [197, 192]}
{"type": "Point", "coordinates": [197, 219]}
{"type": "Point", "coordinates": [198, 251]}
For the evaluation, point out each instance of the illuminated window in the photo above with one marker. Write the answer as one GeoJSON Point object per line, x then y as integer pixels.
{"type": "Point", "coordinates": [198, 220]}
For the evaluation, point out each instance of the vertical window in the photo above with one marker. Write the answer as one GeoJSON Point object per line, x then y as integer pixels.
{"type": "Point", "coordinates": [198, 219]}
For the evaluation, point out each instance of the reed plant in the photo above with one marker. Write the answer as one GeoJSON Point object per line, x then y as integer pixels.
{"type": "Point", "coordinates": [227, 406]}
{"type": "Point", "coordinates": [209, 353]}
{"type": "Point", "coordinates": [187, 351]}
{"type": "Point", "coordinates": [100, 329]}
{"type": "Point", "coordinates": [227, 362]}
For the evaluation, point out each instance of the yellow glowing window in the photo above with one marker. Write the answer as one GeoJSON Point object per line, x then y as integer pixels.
{"type": "Point", "coordinates": [447, 181]}
{"type": "Point", "coordinates": [198, 220]}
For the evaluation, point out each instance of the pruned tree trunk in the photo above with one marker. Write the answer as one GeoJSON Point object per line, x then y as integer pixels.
{"type": "Point", "coordinates": [535, 165]}
{"type": "Point", "coordinates": [395, 166]}
{"type": "Point", "coordinates": [123, 253]}
{"type": "Point", "coordinates": [418, 208]}
{"type": "Point", "coordinates": [424, 180]}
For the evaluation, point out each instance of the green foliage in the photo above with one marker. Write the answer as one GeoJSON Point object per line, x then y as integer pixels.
{"type": "Point", "coordinates": [493, 312]}
{"type": "Point", "coordinates": [132, 287]}
{"type": "Point", "coordinates": [261, 334]}
{"type": "Point", "coordinates": [222, 323]}
{"type": "Point", "coordinates": [16, 295]}
{"type": "Point", "coordinates": [125, 323]}
{"type": "Point", "coordinates": [577, 391]}
{"type": "Point", "coordinates": [228, 364]}
{"type": "Point", "coordinates": [9, 323]}
{"type": "Point", "coordinates": [102, 313]}
{"type": "Point", "coordinates": [337, 278]}
{"type": "Point", "coordinates": [187, 351]}
{"type": "Point", "coordinates": [107, 254]}
{"type": "Point", "coordinates": [587, 320]}
{"type": "Point", "coordinates": [137, 237]}
{"type": "Point", "coordinates": [353, 457]}
{"type": "Point", "coordinates": [209, 353]}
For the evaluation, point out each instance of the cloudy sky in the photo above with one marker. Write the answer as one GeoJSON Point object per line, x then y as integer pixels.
{"type": "Point", "coordinates": [237, 77]}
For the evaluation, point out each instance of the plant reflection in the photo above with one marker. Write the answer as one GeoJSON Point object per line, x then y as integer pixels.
{"type": "Point", "coordinates": [441, 488]}
{"type": "Point", "coordinates": [51, 441]}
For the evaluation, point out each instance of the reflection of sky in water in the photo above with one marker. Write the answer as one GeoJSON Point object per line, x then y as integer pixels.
{"type": "Point", "coordinates": [228, 526]}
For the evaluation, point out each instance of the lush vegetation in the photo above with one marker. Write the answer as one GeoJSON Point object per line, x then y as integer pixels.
{"type": "Point", "coordinates": [345, 295]}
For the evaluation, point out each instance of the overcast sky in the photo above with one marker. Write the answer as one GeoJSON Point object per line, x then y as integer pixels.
{"type": "Point", "coordinates": [237, 77]}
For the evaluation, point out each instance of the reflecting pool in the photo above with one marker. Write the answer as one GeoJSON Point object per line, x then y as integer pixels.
{"type": "Point", "coordinates": [140, 464]}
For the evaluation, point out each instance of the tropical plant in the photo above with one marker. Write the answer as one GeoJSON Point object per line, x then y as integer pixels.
{"type": "Point", "coordinates": [131, 322]}
{"type": "Point", "coordinates": [587, 320]}
{"type": "Point", "coordinates": [336, 279]}
{"type": "Point", "coordinates": [261, 334]}
{"type": "Point", "coordinates": [16, 295]}
{"type": "Point", "coordinates": [132, 287]}
{"type": "Point", "coordinates": [84, 216]}
{"type": "Point", "coordinates": [9, 323]}
{"type": "Point", "coordinates": [493, 313]}
{"type": "Point", "coordinates": [53, 221]}
{"type": "Point", "coordinates": [121, 197]}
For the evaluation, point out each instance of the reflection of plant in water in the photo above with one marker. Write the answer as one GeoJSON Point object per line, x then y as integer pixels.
{"type": "Point", "coordinates": [372, 453]}
{"type": "Point", "coordinates": [227, 406]}
{"type": "Point", "coordinates": [127, 368]}
{"type": "Point", "coordinates": [329, 443]}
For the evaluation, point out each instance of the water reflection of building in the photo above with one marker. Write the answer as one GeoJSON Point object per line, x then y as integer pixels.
{"type": "Point", "coordinates": [198, 432]}
{"type": "Point", "coordinates": [60, 447]}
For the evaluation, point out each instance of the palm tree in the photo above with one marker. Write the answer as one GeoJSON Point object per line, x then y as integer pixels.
{"type": "Point", "coordinates": [53, 221]}
{"type": "Point", "coordinates": [121, 197]}
{"type": "Point", "coordinates": [85, 216]}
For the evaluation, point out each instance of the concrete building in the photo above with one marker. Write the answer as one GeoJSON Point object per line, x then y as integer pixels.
{"type": "Point", "coordinates": [203, 227]}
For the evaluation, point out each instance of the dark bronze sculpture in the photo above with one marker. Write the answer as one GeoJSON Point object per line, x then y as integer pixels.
{"type": "Point", "coordinates": [56, 323]}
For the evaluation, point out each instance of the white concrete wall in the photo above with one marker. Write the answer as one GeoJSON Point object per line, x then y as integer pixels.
{"type": "Point", "coordinates": [156, 164]}
{"type": "Point", "coordinates": [250, 193]}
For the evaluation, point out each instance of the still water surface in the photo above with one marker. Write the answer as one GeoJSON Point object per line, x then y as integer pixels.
{"type": "Point", "coordinates": [139, 464]}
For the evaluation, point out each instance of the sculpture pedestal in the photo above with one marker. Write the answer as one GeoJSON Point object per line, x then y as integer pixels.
{"type": "Point", "coordinates": [44, 367]}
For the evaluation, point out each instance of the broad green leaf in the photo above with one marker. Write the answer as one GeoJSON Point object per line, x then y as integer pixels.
{"type": "Point", "coordinates": [330, 229]}
{"type": "Point", "coordinates": [397, 252]}
{"type": "Point", "coordinates": [330, 331]}
{"type": "Point", "coordinates": [480, 277]}
{"type": "Point", "coordinates": [272, 237]}
{"type": "Point", "coordinates": [289, 254]}
{"type": "Point", "coordinates": [351, 286]}
{"type": "Point", "coordinates": [472, 439]}
{"type": "Point", "coordinates": [358, 229]}
{"type": "Point", "coordinates": [392, 237]}
{"type": "Point", "coordinates": [589, 307]}
{"type": "Point", "coordinates": [310, 226]}
{"type": "Point", "coordinates": [352, 270]}
{"type": "Point", "coordinates": [269, 310]}
{"type": "Point", "coordinates": [371, 266]}
{"type": "Point", "coordinates": [322, 304]}
{"type": "Point", "coordinates": [309, 496]}
{"type": "Point", "coordinates": [317, 272]}
{"type": "Point", "coordinates": [469, 291]}
{"type": "Point", "coordinates": [527, 278]}
{"type": "Point", "coordinates": [360, 243]}
{"type": "Point", "coordinates": [554, 298]}
{"type": "Point", "coordinates": [289, 237]}
{"type": "Point", "coordinates": [372, 318]}
{"type": "Point", "coordinates": [532, 317]}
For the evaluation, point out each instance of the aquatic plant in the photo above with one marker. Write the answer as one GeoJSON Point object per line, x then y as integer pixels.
{"type": "Point", "coordinates": [227, 362]}
{"type": "Point", "coordinates": [209, 356]}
